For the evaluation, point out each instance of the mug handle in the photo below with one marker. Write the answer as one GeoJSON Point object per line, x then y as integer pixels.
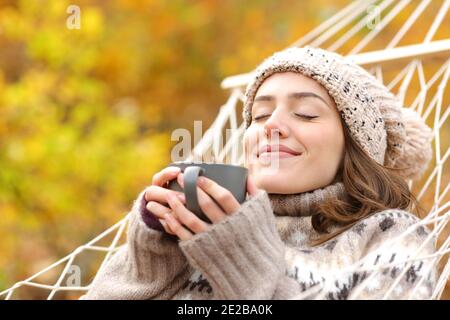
{"type": "Point", "coordinates": [191, 174]}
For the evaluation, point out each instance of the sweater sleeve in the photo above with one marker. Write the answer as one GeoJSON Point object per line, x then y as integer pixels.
{"type": "Point", "coordinates": [149, 266]}
{"type": "Point", "coordinates": [243, 257]}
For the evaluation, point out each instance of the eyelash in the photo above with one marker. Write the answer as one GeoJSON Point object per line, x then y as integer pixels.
{"type": "Point", "coordinates": [299, 115]}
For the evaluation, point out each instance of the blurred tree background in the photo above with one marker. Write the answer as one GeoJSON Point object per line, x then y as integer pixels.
{"type": "Point", "coordinates": [86, 115]}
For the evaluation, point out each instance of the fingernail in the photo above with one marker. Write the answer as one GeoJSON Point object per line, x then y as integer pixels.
{"type": "Point", "coordinates": [174, 169]}
{"type": "Point", "coordinates": [182, 197]}
{"type": "Point", "coordinates": [201, 180]}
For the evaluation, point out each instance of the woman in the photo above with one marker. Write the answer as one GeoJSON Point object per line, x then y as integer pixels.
{"type": "Point", "coordinates": [337, 200]}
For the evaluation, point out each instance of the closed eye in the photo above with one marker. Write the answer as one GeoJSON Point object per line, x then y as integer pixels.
{"type": "Point", "coordinates": [261, 117]}
{"type": "Point", "coordinates": [297, 114]}
{"type": "Point", "coordinates": [305, 116]}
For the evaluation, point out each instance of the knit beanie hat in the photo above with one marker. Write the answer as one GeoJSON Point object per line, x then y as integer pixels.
{"type": "Point", "coordinates": [392, 135]}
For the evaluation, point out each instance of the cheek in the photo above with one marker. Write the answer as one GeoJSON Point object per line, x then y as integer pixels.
{"type": "Point", "coordinates": [246, 141]}
{"type": "Point", "coordinates": [250, 139]}
{"type": "Point", "coordinates": [324, 139]}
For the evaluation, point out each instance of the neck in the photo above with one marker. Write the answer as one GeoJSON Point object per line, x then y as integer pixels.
{"type": "Point", "coordinates": [300, 204]}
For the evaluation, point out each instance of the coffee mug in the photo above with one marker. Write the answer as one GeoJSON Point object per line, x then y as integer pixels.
{"type": "Point", "coordinates": [230, 177]}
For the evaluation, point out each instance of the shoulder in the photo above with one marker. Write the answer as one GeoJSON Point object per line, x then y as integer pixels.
{"type": "Point", "coordinates": [400, 215]}
{"type": "Point", "coordinates": [395, 228]}
{"type": "Point", "coordinates": [392, 221]}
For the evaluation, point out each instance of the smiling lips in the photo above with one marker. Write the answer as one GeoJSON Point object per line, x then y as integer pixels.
{"type": "Point", "coordinates": [281, 151]}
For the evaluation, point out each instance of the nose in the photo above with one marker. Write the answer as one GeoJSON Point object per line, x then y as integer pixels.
{"type": "Point", "coordinates": [275, 125]}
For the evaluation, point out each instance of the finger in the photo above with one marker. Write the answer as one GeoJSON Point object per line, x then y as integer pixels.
{"type": "Point", "coordinates": [222, 196]}
{"type": "Point", "coordinates": [167, 174]}
{"type": "Point", "coordinates": [156, 193]}
{"type": "Point", "coordinates": [166, 226]}
{"type": "Point", "coordinates": [157, 209]}
{"type": "Point", "coordinates": [206, 203]}
{"type": "Point", "coordinates": [184, 216]}
{"type": "Point", "coordinates": [251, 186]}
{"type": "Point", "coordinates": [180, 231]}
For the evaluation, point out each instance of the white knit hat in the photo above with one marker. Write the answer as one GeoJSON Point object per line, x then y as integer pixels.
{"type": "Point", "coordinates": [391, 134]}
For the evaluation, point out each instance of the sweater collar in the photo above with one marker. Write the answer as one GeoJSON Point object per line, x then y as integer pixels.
{"type": "Point", "coordinates": [300, 204]}
{"type": "Point", "coordinates": [293, 213]}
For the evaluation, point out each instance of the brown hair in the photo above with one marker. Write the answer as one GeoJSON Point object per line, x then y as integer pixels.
{"type": "Point", "coordinates": [370, 188]}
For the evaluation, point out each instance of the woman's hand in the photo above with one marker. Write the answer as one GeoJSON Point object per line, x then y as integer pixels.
{"type": "Point", "coordinates": [155, 195]}
{"type": "Point", "coordinates": [185, 223]}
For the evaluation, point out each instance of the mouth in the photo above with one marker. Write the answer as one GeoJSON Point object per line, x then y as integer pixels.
{"type": "Point", "coordinates": [278, 154]}
{"type": "Point", "coordinates": [277, 151]}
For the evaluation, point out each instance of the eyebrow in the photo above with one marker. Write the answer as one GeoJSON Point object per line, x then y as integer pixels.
{"type": "Point", "coordinates": [295, 95]}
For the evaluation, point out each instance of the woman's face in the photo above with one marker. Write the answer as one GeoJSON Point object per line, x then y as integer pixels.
{"type": "Point", "coordinates": [295, 142]}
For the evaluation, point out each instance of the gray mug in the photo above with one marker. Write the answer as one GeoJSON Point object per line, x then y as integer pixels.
{"type": "Point", "coordinates": [232, 178]}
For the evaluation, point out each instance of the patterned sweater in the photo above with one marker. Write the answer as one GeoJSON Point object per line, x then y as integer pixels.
{"type": "Point", "coordinates": [255, 254]}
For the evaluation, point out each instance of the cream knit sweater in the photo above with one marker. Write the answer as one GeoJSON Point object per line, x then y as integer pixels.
{"type": "Point", "coordinates": [255, 254]}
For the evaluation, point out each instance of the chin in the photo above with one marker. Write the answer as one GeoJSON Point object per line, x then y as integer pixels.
{"type": "Point", "coordinates": [272, 184]}
{"type": "Point", "coordinates": [281, 183]}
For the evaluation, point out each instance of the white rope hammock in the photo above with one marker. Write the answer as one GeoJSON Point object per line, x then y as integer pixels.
{"type": "Point", "coordinates": [396, 64]}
